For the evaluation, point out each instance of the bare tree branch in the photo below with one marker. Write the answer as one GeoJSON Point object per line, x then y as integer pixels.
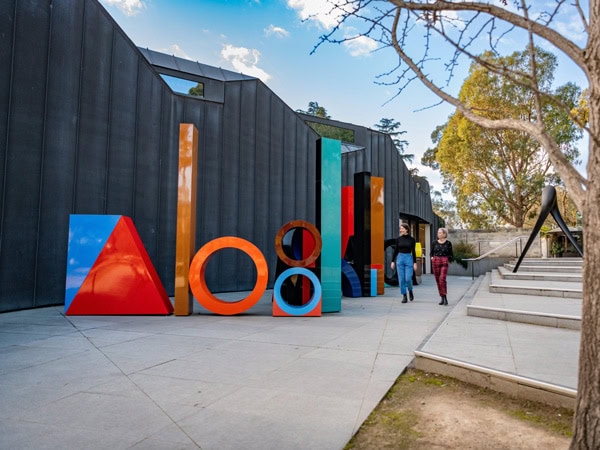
{"type": "Point", "coordinates": [572, 178]}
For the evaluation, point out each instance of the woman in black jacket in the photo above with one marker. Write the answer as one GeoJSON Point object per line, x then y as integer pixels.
{"type": "Point", "coordinates": [405, 261]}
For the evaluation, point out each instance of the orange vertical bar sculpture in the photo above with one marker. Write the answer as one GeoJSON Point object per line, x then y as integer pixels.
{"type": "Point", "coordinates": [377, 231]}
{"type": "Point", "coordinates": [186, 217]}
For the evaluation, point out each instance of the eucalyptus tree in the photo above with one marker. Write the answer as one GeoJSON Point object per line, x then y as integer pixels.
{"type": "Point", "coordinates": [496, 175]}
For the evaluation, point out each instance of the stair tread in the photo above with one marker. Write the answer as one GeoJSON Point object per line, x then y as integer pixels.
{"type": "Point", "coordinates": [497, 280]}
{"type": "Point", "coordinates": [506, 273]}
{"type": "Point", "coordinates": [539, 304]}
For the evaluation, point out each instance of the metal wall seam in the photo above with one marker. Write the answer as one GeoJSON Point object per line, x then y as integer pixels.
{"type": "Point", "coordinates": [8, 115]}
{"type": "Point", "coordinates": [79, 100]}
{"type": "Point", "coordinates": [42, 159]}
{"type": "Point", "coordinates": [136, 139]}
{"type": "Point", "coordinates": [108, 120]}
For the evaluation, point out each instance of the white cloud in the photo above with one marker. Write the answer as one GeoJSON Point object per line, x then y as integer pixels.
{"type": "Point", "coordinates": [360, 46]}
{"type": "Point", "coordinates": [571, 29]}
{"type": "Point", "coordinates": [176, 50]}
{"type": "Point", "coordinates": [325, 13]}
{"type": "Point", "coordinates": [245, 60]}
{"type": "Point", "coordinates": [279, 32]}
{"type": "Point", "coordinates": [128, 7]}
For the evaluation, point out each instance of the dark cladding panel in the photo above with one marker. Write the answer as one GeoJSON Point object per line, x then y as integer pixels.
{"type": "Point", "coordinates": [221, 273]}
{"type": "Point", "coordinates": [304, 203]}
{"type": "Point", "coordinates": [122, 134]}
{"type": "Point", "coordinates": [171, 117]}
{"type": "Point", "coordinates": [263, 234]}
{"type": "Point", "coordinates": [390, 196]}
{"type": "Point", "coordinates": [94, 114]}
{"type": "Point", "coordinates": [275, 176]}
{"type": "Point", "coordinates": [376, 148]}
{"type": "Point", "coordinates": [185, 65]}
{"type": "Point", "coordinates": [7, 23]}
{"type": "Point", "coordinates": [231, 154]}
{"type": "Point", "coordinates": [147, 169]}
{"type": "Point", "coordinates": [210, 162]}
{"type": "Point", "coordinates": [24, 155]}
{"type": "Point", "coordinates": [158, 59]}
{"type": "Point", "coordinates": [247, 201]}
{"type": "Point", "coordinates": [59, 157]}
{"type": "Point", "coordinates": [287, 167]}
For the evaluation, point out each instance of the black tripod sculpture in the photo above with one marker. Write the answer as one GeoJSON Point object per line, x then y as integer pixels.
{"type": "Point", "coordinates": [549, 206]}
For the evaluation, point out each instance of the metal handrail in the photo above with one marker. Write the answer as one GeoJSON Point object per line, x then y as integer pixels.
{"type": "Point", "coordinates": [488, 253]}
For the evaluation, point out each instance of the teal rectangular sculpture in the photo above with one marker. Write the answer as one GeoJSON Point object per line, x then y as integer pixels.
{"type": "Point", "coordinates": [329, 221]}
{"type": "Point", "coordinates": [373, 282]}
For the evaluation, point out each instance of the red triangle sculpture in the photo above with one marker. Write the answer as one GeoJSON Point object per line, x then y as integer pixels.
{"type": "Point", "coordinates": [122, 280]}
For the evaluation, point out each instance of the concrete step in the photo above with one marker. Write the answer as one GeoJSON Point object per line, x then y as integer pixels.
{"type": "Point", "coordinates": [558, 312]}
{"type": "Point", "coordinates": [577, 262]}
{"type": "Point", "coordinates": [543, 268]}
{"type": "Point", "coordinates": [564, 265]}
{"type": "Point", "coordinates": [572, 276]}
{"type": "Point", "coordinates": [509, 358]}
{"type": "Point", "coordinates": [542, 288]}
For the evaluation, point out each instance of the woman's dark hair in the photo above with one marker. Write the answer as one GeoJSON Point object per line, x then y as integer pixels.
{"type": "Point", "coordinates": [405, 226]}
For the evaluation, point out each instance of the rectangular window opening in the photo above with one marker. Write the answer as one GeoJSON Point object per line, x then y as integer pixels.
{"type": "Point", "coordinates": [183, 86]}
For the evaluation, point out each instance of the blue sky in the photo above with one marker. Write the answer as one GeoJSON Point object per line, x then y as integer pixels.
{"type": "Point", "coordinates": [273, 40]}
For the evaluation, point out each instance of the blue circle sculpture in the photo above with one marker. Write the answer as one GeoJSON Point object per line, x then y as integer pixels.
{"type": "Point", "coordinates": [297, 310]}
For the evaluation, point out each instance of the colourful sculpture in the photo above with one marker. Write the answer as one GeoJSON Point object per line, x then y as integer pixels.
{"type": "Point", "coordinates": [328, 220]}
{"type": "Point", "coordinates": [185, 244]}
{"type": "Point", "coordinates": [549, 206]}
{"type": "Point", "coordinates": [109, 271]}
{"type": "Point", "coordinates": [198, 283]}
{"type": "Point", "coordinates": [311, 308]}
{"type": "Point", "coordinates": [377, 233]}
{"type": "Point", "coordinates": [292, 289]}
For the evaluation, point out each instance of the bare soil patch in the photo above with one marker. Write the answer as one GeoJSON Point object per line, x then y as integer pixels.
{"type": "Point", "coordinates": [426, 411]}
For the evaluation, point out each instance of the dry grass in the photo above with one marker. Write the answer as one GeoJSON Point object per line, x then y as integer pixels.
{"type": "Point", "coordinates": [426, 411]}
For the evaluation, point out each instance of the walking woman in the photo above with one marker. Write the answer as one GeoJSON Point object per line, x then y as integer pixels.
{"type": "Point", "coordinates": [441, 255]}
{"type": "Point", "coordinates": [405, 261]}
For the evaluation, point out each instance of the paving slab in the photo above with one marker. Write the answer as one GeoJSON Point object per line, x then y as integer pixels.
{"type": "Point", "coordinates": [207, 381]}
{"type": "Point", "coordinates": [541, 353]}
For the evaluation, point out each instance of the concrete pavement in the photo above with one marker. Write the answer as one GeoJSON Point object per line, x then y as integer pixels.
{"type": "Point", "coordinates": [251, 381]}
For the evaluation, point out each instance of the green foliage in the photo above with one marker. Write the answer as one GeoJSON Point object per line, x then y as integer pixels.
{"type": "Point", "coordinates": [197, 90]}
{"type": "Point", "coordinates": [557, 248]}
{"type": "Point", "coordinates": [314, 109]}
{"type": "Point", "coordinates": [497, 176]}
{"type": "Point", "coordinates": [463, 250]}
{"type": "Point", "coordinates": [391, 127]}
{"type": "Point", "coordinates": [330, 131]}
{"type": "Point", "coordinates": [446, 209]}
{"type": "Point", "coordinates": [429, 157]}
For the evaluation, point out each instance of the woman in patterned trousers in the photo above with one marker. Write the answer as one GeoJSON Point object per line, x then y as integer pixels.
{"type": "Point", "coordinates": [441, 256]}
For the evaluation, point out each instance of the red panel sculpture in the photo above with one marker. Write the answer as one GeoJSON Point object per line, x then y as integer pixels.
{"type": "Point", "coordinates": [122, 279]}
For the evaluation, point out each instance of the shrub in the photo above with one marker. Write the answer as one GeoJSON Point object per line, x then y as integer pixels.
{"type": "Point", "coordinates": [463, 250]}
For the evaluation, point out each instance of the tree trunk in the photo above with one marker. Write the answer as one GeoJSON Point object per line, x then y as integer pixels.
{"type": "Point", "coordinates": [587, 414]}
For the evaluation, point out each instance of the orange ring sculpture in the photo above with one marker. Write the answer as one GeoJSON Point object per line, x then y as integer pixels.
{"type": "Point", "coordinates": [295, 262]}
{"type": "Point", "coordinates": [198, 283]}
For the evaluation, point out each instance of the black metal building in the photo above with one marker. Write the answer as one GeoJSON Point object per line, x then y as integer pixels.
{"type": "Point", "coordinates": [88, 126]}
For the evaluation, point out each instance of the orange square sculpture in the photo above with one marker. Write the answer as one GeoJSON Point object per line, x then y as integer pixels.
{"type": "Point", "coordinates": [109, 271]}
